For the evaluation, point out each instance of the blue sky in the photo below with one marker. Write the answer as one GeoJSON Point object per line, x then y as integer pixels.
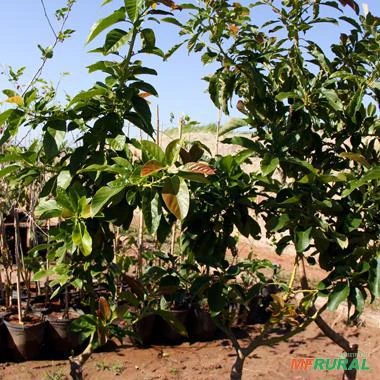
{"type": "Point", "coordinates": [179, 83]}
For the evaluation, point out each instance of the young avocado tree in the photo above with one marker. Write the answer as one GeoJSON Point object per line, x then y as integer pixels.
{"type": "Point", "coordinates": [315, 128]}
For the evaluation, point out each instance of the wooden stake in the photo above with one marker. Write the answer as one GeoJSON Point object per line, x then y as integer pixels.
{"type": "Point", "coordinates": [217, 132]}
{"type": "Point", "coordinates": [180, 127]}
{"type": "Point", "coordinates": [174, 228]}
{"type": "Point", "coordinates": [172, 243]}
{"type": "Point", "coordinates": [158, 140]}
{"type": "Point", "coordinates": [18, 262]}
{"type": "Point", "coordinates": [140, 244]}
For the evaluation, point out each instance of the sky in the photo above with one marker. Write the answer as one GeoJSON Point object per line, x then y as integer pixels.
{"type": "Point", "coordinates": [179, 81]}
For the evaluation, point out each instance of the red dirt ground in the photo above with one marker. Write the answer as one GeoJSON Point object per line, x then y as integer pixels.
{"type": "Point", "coordinates": [211, 360]}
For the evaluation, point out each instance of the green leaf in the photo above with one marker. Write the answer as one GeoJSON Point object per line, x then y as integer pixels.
{"type": "Point", "coordinates": [148, 37]}
{"type": "Point", "coordinates": [52, 141]}
{"type": "Point", "coordinates": [43, 273]}
{"type": "Point", "coordinates": [244, 142]}
{"type": "Point", "coordinates": [217, 300]}
{"type": "Point", "coordinates": [64, 179]}
{"type": "Point", "coordinates": [357, 157]}
{"type": "Point", "coordinates": [8, 169]}
{"type": "Point", "coordinates": [172, 20]}
{"type": "Point", "coordinates": [170, 318]}
{"type": "Point", "coordinates": [152, 151]}
{"type": "Point", "coordinates": [302, 239]}
{"type": "Point", "coordinates": [172, 151]}
{"type": "Point", "coordinates": [4, 116]}
{"type": "Point", "coordinates": [232, 124]}
{"type": "Point", "coordinates": [133, 8]}
{"type": "Point", "coordinates": [143, 86]}
{"type": "Point", "coordinates": [86, 243]}
{"type": "Point", "coordinates": [338, 295]}
{"type": "Point", "coordinates": [286, 95]}
{"type": "Point", "coordinates": [99, 26]}
{"type": "Point", "coordinates": [269, 164]}
{"type": "Point", "coordinates": [175, 194]}
{"type": "Point", "coordinates": [116, 39]}
{"type": "Point", "coordinates": [358, 300]}
{"type": "Point", "coordinates": [102, 196]}
{"type": "Point", "coordinates": [47, 209]}
{"type": "Point", "coordinates": [86, 95]}
{"type": "Point", "coordinates": [142, 109]}
{"type": "Point", "coordinates": [333, 99]}
{"type": "Point", "coordinates": [84, 326]}
{"type": "Point", "coordinates": [374, 277]}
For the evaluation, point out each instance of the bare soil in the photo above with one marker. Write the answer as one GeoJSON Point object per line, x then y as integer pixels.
{"type": "Point", "coordinates": [211, 360]}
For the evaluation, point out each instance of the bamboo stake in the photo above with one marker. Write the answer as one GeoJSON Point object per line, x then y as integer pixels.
{"type": "Point", "coordinates": [140, 244]}
{"type": "Point", "coordinates": [18, 263]}
{"type": "Point", "coordinates": [158, 140]}
{"type": "Point", "coordinates": [140, 237]}
{"type": "Point", "coordinates": [174, 228]}
{"type": "Point", "coordinates": [217, 132]}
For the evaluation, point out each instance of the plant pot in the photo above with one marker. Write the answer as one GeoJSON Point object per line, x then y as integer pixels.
{"type": "Point", "coordinates": [201, 325]}
{"type": "Point", "coordinates": [61, 341]}
{"type": "Point", "coordinates": [25, 340]}
{"type": "Point", "coordinates": [168, 333]}
{"type": "Point", "coordinates": [3, 337]}
{"type": "Point", "coordinates": [144, 329]}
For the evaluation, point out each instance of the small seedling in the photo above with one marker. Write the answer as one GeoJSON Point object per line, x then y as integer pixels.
{"type": "Point", "coordinates": [55, 376]}
{"type": "Point", "coordinates": [117, 369]}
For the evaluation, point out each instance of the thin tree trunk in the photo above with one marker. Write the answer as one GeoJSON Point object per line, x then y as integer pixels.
{"type": "Point", "coordinates": [237, 368]}
{"type": "Point", "coordinates": [77, 363]}
{"type": "Point", "coordinates": [350, 349]}
{"type": "Point", "coordinates": [18, 262]}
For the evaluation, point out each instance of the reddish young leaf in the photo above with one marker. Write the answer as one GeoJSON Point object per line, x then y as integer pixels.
{"type": "Point", "coordinates": [151, 167]}
{"type": "Point", "coordinates": [104, 310]}
{"type": "Point", "coordinates": [175, 194]}
{"type": "Point", "coordinates": [199, 167]}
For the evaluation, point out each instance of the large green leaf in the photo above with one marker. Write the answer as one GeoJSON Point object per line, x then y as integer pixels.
{"type": "Point", "coordinates": [217, 300]}
{"type": "Point", "coordinates": [142, 109]}
{"type": "Point", "coordinates": [102, 196]}
{"type": "Point", "coordinates": [104, 23]}
{"type": "Point", "coordinates": [147, 209]}
{"type": "Point", "coordinates": [338, 295]}
{"type": "Point", "coordinates": [152, 151]}
{"type": "Point", "coordinates": [86, 244]}
{"type": "Point", "coordinates": [232, 124]}
{"type": "Point", "coordinates": [133, 8]}
{"type": "Point", "coordinates": [175, 194]}
{"type": "Point", "coordinates": [269, 164]}
{"type": "Point", "coordinates": [115, 40]}
{"type": "Point", "coordinates": [4, 116]}
{"type": "Point", "coordinates": [302, 239]}
{"type": "Point", "coordinates": [374, 277]}
{"type": "Point", "coordinates": [170, 318]}
{"type": "Point", "coordinates": [148, 37]}
{"type": "Point", "coordinates": [172, 151]}
{"type": "Point", "coordinates": [8, 169]}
